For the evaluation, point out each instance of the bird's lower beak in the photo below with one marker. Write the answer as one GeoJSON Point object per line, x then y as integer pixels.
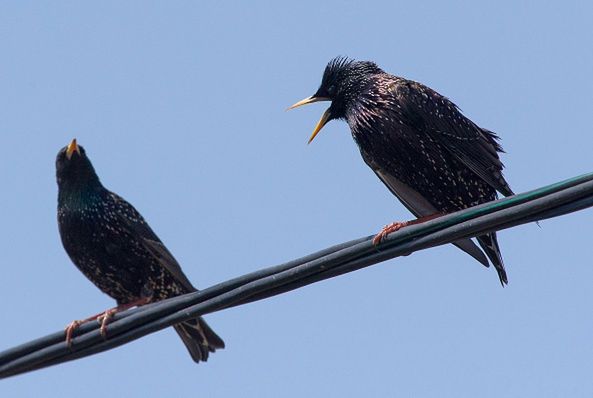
{"type": "Point", "coordinates": [324, 119]}
{"type": "Point", "coordinates": [72, 147]}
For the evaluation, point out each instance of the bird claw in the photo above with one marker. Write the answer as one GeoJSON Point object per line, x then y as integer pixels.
{"type": "Point", "coordinates": [104, 319]}
{"type": "Point", "coordinates": [396, 226]}
{"type": "Point", "coordinates": [70, 328]}
{"type": "Point", "coordinates": [106, 316]}
{"type": "Point", "coordinates": [388, 229]}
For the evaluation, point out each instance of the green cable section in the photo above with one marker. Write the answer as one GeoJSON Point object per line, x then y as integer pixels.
{"type": "Point", "coordinates": [487, 209]}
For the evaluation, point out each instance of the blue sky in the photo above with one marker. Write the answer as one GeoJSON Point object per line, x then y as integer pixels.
{"type": "Point", "coordinates": [181, 107]}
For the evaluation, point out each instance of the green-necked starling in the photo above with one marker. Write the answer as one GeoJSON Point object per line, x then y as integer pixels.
{"type": "Point", "coordinates": [428, 154]}
{"type": "Point", "coordinates": [115, 248]}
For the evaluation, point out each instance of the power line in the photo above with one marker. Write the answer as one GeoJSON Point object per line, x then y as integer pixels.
{"type": "Point", "coordinates": [551, 201]}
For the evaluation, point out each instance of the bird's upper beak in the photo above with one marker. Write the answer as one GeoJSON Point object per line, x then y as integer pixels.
{"type": "Point", "coordinates": [324, 118]}
{"type": "Point", "coordinates": [72, 147]}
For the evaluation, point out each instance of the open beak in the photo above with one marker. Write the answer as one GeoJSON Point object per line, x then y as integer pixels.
{"type": "Point", "coordinates": [72, 147]}
{"type": "Point", "coordinates": [324, 118]}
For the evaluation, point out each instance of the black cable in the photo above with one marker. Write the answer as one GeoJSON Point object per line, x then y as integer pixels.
{"type": "Point", "coordinates": [550, 201]}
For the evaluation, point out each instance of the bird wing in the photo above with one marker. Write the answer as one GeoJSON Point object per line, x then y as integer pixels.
{"type": "Point", "coordinates": [427, 110]}
{"type": "Point", "coordinates": [133, 221]}
{"type": "Point", "coordinates": [420, 207]}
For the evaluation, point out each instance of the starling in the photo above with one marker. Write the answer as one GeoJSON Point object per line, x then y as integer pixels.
{"type": "Point", "coordinates": [428, 154]}
{"type": "Point", "coordinates": [115, 248]}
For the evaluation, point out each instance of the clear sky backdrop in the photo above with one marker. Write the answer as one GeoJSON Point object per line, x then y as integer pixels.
{"type": "Point", "coordinates": [181, 107]}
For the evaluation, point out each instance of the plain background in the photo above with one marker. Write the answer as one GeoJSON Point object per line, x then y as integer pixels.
{"type": "Point", "coordinates": [181, 107]}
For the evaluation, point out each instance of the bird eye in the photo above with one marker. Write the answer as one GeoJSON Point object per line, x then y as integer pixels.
{"type": "Point", "coordinates": [331, 90]}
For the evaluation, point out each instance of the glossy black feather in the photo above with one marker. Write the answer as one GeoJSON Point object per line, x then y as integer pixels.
{"type": "Point", "coordinates": [115, 248]}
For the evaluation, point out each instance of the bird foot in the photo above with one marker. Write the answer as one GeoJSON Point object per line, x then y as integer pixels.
{"type": "Point", "coordinates": [70, 328]}
{"type": "Point", "coordinates": [388, 229]}
{"type": "Point", "coordinates": [103, 318]}
{"type": "Point", "coordinates": [106, 316]}
{"type": "Point", "coordinates": [396, 226]}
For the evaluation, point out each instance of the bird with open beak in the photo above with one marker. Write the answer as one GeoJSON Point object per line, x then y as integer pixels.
{"type": "Point", "coordinates": [428, 154]}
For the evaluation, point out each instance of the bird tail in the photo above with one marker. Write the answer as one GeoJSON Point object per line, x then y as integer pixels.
{"type": "Point", "coordinates": [198, 338]}
{"type": "Point", "coordinates": [468, 246]}
{"type": "Point", "coordinates": [489, 243]}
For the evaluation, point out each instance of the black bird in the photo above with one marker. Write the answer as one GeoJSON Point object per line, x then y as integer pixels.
{"type": "Point", "coordinates": [430, 156]}
{"type": "Point", "coordinates": [115, 248]}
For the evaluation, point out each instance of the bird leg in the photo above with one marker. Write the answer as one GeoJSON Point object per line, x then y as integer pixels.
{"type": "Point", "coordinates": [72, 326]}
{"type": "Point", "coordinates": [103, 317]}
{"type": "Point", "coordinates": [106, 316]}
{"type": "Point", "coordinates": [396, 226]}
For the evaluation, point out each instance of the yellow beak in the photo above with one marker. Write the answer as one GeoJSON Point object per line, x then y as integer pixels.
{"type": "Point", "coordinates": [308, 100]}
{"type": "Point", "coordinates": [324, 118]}
{"type": "Point", "coordinates": [320, 124]}
{"type": "Point", "coordinates": [72, 147]}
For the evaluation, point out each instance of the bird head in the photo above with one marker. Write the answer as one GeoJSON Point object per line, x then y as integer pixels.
{"type": "Point", "coordinates": [73, 167]}
{"type": "Point", "coordinates": [343, 81]}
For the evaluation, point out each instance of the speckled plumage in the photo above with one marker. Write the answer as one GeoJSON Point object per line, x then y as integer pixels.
{"type": "Point", "coordinates": [113, 246]}
{"type": "Point", "coordinates": [433, 158]}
